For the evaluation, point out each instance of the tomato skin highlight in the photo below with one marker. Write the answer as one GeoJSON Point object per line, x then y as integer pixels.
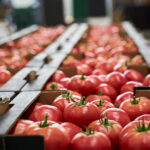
{"type": "Point", "coordinates": [96, 141]}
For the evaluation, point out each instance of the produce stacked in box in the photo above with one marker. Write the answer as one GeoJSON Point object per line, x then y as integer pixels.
{"type": "Point", "coordinates": [99, 110]}
{"type": "Point", "coordinates": [15, 54]}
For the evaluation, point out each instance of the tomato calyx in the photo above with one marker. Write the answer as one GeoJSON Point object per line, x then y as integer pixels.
{"type": "Point", "coordinates": [45, 123]}
{"type": "Point", "coordinates": [89, 132]}
{"type": "Point", "coordinates": [100, 93]}
{"type": "Point", "coordinates": [53, 86]}
{"type": "Point", "coordinates": [135, 100]}
{"type": "Point", "coordinates": [82, 77]}
{"type": "Point", "coordinates": [142, 128]}
{"type": "Point", "coordinates": [67, 95]}
{"type": "Point", "coordinates": [105, 122]}
{"type": "Point", "coordinates": [101, 103]}
{"type": "Point", "coordinates": [82, 101]}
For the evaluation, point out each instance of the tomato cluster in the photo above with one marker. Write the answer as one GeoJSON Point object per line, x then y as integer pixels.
{"type": "Point", "coordinates": [14, 54]}
{"type": "Point", "coordinates": [99, 110]}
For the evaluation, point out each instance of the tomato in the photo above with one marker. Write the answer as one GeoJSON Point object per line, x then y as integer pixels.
{"type": "Point", "coordinates": [91, 62]}
{"type": "Point", "coordinates": [120, 67]}
{"type": "Point", "coordinates": [136, 106]}
{"type": "Point", "coordinates": [118, 115]}
{"type": "Point", "coordinates": [90, 141]}
{"type": "Point", "coordinates": [55, 136]}
{"type": "Point", "coordinates": [83, 84]}
{"type": "Point", "coordinates": [145, 117]}
{"type": "Point", "coordinates": [54, 86]}
{"type": "Point", "coordinates": [65, 82]}
{"type": "Point", "coordinates": [102, 105]}
{"type": "Point", "coordinates": [71, 61]}
{"type": "Point", "coordinates": [18, 63]}
{"type": "Point", "coordinates": [110, 128]}
{"type": "Point", "coordinates": [91, 98]}
{"type": "Point", "coordinates": [5, 75]}
{"type": "Point", "coordinates": [122, 97]}
{"type": "Point", "coordinates": [133, 75]}
{"type": "Point", "coordinates": [108, 90]}
{"type": "Point", "coordinates": [80, 113]}
{"type": "Point", "coordinates": [58, 75]}
{"type": "Point", "coordinates": [102, 78]}
{"type": "Point", "coordinates": [116, 79]}
{"type": "Point", "coordinates": [20, 126]}
{"type": "Point", "coordinates": [99, 72]}
{"type": "Point", "coordinates": [71, 129]}
{"type": "Point", "coordinates": [84, 69]}
{"type": "Point", "coordinates": [146, 81]}
{"type": "Point", "coordinates": [135, 136]}
{"type": "Point", "coordinates": [129, 86]}
{"type": "Point", "coordinates": [32, 108]}
{"type": "Point", "coordinates": [54, 114]}
{"type": "Point", "coordinates": [138, 59]}
{"type": "Point", "coordinates": [63, 100]}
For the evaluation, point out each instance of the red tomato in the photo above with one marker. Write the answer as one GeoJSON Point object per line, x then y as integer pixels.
{"type": "Point", "coordinates": [102, 79]}
{"type": "Point", "coordinates": [54, 86]}
{"type": "Point", "coordinates": [108, 90]}
{"type": "Point", "coordinates": [136, 106]}
{"type": "Point", "coordinates": [91, 98]}
{"type": "Point", "coordinates": [65, 82]}
{"type": "Point", "coordinates": [55, 136]}
{"type": "Point", "coordinates": [118, 115]}
{"type": "Point", "coordinates": [80, 113]}
{"type": "Point", "coordinates": [83, 84]}
{"type": "Point", "coordinates": [71, 129]}
{"type": "Point", "coordinates": [84, 69]}
{"type": "Point", "coordinates": [71, 61]}
{"type": "Point", "coordinates": [120, 67]}
{"type": "Point", "coordinates": [54, 114]}
{"type": "Point", "coordinates": [116, 79]}
{"type": "Point", "coordinates": [110, 128]}
{"type": "Point", "coordinates": [5, 75]}
{"type": "Point", "coordinates": [20, 126]}
{"type": "Point", "coordinates": [122, 97]}
{"type": "Point", "coordinates": [133, 75]}
{"type": "Point", "coordinates": [90, 141]}
{"type": "Point", "coordinates": [58, 75]}
{"type": "Point", "coordinates": [146, 81]}
{"type": "Point", "coordinates": [18, 63]}
{"type": "Point", "coordinates": [129, 86]}
{"type": "Point", "coordinates": [102, 105]}
{"type": "Point", "coordinates": [63, 100]}
{"type": "Point", "coordinates": [99, 72]}
{"type": "Point", "coordinates": [135, 136]}
{"type": "Point", "coordinates": [145, 117]}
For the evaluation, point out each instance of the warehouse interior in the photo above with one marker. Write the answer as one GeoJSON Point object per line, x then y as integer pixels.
{"type": "Point", "coordinates": [74, 75]}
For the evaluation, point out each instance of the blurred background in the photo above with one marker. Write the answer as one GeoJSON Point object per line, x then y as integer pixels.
{"type": "Point", "coordinates": [18, 14]}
